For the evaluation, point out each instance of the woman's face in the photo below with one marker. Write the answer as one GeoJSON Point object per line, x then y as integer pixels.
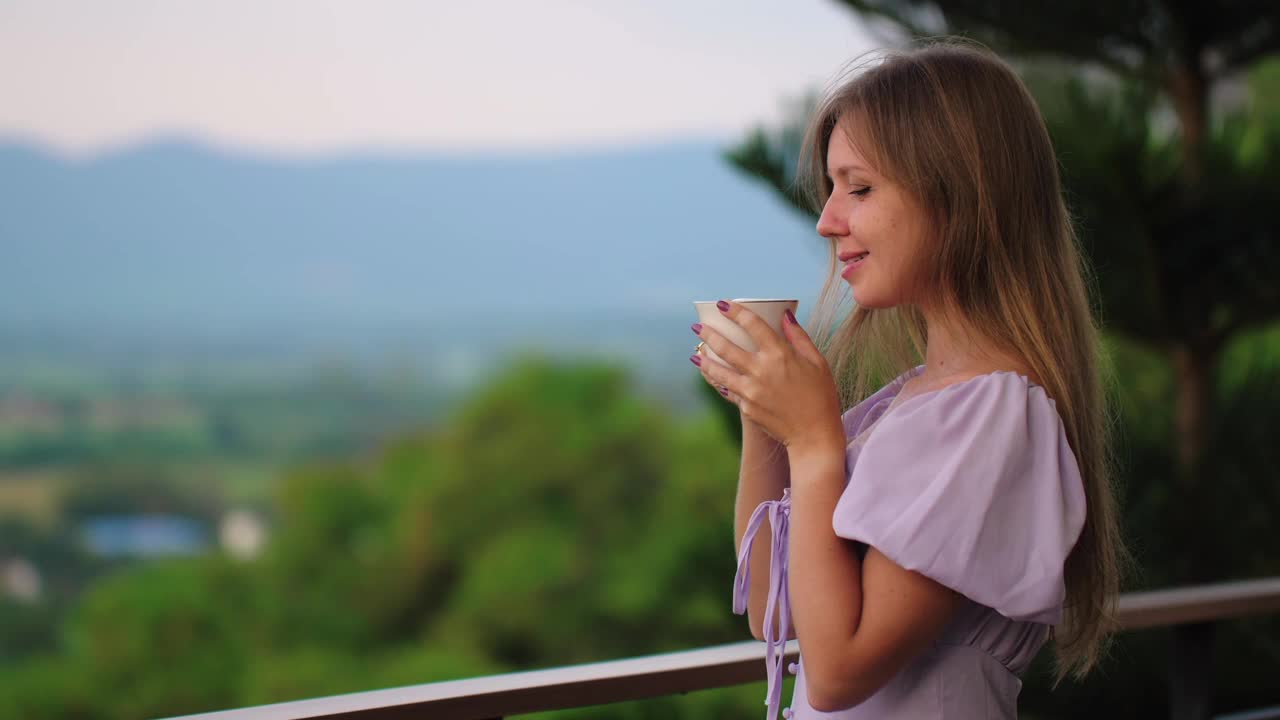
{"type": "Point", "coordinates": [867, 213]}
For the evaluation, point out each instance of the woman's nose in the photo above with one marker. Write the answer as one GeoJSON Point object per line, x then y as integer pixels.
{"type": "Point", "coordinates": [832, 222]}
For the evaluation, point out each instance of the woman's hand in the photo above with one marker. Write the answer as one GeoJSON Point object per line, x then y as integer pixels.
{"type": "Point", "coordinates": [785, 386]}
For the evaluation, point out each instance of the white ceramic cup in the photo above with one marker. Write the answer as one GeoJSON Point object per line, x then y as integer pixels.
{"type": "Point", "coordinates": [769, 309]}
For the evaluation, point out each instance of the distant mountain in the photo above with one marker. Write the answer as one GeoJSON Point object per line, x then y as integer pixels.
{"type": "Point", "coordinates": [174, 241]}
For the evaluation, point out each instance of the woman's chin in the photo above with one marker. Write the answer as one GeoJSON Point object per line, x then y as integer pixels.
{"type": "Point", "coordinates": [869, 300]}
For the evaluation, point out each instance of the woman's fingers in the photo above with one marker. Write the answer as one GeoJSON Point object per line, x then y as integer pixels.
{"type": "Point", "coordinates": [725, 392]}
{"type": "Point", "coordinates": [800, 340]}
{"type": "Point", "coordinates": [737, 358]}
{"type": "Point", "coordinates": [759, 330]}
{"type": "Point", "coordinates": [719, 376]}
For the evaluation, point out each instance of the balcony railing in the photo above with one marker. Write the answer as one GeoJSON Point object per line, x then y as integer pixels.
{"type": "Point", "coordinates": [1191, 612]}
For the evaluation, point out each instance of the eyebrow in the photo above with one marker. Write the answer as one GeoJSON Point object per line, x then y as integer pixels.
{"type": "Point", "coordinates": [844, 169]}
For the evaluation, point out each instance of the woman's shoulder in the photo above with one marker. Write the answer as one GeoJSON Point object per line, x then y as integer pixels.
{"type": "Point", "coordinates": [1002, 421]}
{"type": "Point", "coordinates": [972, 483]}
{"type": "Point", "coordinates": [986, 390]}
{"type": "Point", "coordinates": [990, 389]}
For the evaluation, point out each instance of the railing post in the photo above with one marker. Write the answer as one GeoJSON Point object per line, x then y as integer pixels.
{"type": "Point", "coordinates": [1191, 672]}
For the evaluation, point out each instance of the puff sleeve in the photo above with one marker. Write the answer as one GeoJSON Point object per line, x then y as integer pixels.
{"type": "Point", "coordinates": [976, 487]}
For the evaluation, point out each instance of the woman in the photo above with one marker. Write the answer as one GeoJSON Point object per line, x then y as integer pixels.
{"type": "Point", "coordinates": [927, 541]}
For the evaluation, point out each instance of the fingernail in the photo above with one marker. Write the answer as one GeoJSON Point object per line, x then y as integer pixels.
{"type": "Point", "coordinates": [724, 392]}
{"type": "Point", "coordinates": [724, 306]}
{"type": "Point", "coordinates": [697, 328]}
{"type": "Point", "coordinates": [696, 360]}
{"type": "Point", "coordinates": [791, 317]}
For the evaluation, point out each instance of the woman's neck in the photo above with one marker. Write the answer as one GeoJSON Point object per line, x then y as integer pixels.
{"type": "Point", "coordinates": [954, 351]}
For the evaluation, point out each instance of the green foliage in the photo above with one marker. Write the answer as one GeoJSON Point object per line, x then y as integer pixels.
{"type": "Point", "coordinates": [559, 518]}
{"type": "Point", "coordinates": [326, 562]}
{"type": "Point", "coordinates": [1175, 262]}
{"type": "Point", "coordinates": [1128, 37]}
{"type": "Point", "coordinates": [25, 629]}
{"type": "Point", "coordinates": [164, 639]}
{"type": "Point", "coordinates": [772, 156]}
{"type": "Point", "coordinates": [50, 688]}
{"type": "Point", "coordinates": [319, 671]}
{"type": "Point", "coordinates": [28, 629]}
{"type": "Point", "coordinates": [593, 487]}
{"type": "Point", "coordinates": [726, 412]}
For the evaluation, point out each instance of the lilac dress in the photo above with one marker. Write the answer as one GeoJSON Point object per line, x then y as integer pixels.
{"type": "Point", "coordinates": [973, 485]}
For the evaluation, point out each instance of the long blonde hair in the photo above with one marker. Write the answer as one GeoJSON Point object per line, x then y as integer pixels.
{"type": "Point", "coordinates": [955, 126]}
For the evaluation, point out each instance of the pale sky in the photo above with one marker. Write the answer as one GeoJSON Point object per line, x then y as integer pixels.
{"type": "Point", "coordinates": [303, 76]}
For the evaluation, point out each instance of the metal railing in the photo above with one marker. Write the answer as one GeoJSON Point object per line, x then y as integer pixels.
{"type": "Point", "coordinates": [1191, 612]}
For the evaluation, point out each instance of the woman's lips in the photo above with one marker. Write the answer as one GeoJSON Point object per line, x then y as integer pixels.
{"type": "Point", "coordinates": [853, 264]}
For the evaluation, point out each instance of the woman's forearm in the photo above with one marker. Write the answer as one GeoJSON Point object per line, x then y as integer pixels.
{"type": "Point", "coordinates": [823, 569]}
{"type": "Point", "coordinates": [763, 475]}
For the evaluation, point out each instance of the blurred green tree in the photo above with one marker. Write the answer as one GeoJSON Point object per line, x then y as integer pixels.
{"type": "Point", "coordinates": [557, 517]}
{"type": "Point", "coordinates": [609, 512]}
{"type": "Point", "coordinates": [29, 627]}
{"type": "Point", "coordinates": [165, 638]}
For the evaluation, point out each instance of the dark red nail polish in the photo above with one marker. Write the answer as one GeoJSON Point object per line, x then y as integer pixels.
{"type": "Point", "coordinates": [724, 392]}
{"type": "Point", "coordinates": [791, 317]}
{"type": "Point", "coordinates": [696, 360]}
{"type": "Point", "coordinates": [697, 328]}
{"type": "Point", "coordinates": [724, 306]}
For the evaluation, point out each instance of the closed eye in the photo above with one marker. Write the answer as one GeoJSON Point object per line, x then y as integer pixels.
{"type": "Point", "coordinates": [862, 192]}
